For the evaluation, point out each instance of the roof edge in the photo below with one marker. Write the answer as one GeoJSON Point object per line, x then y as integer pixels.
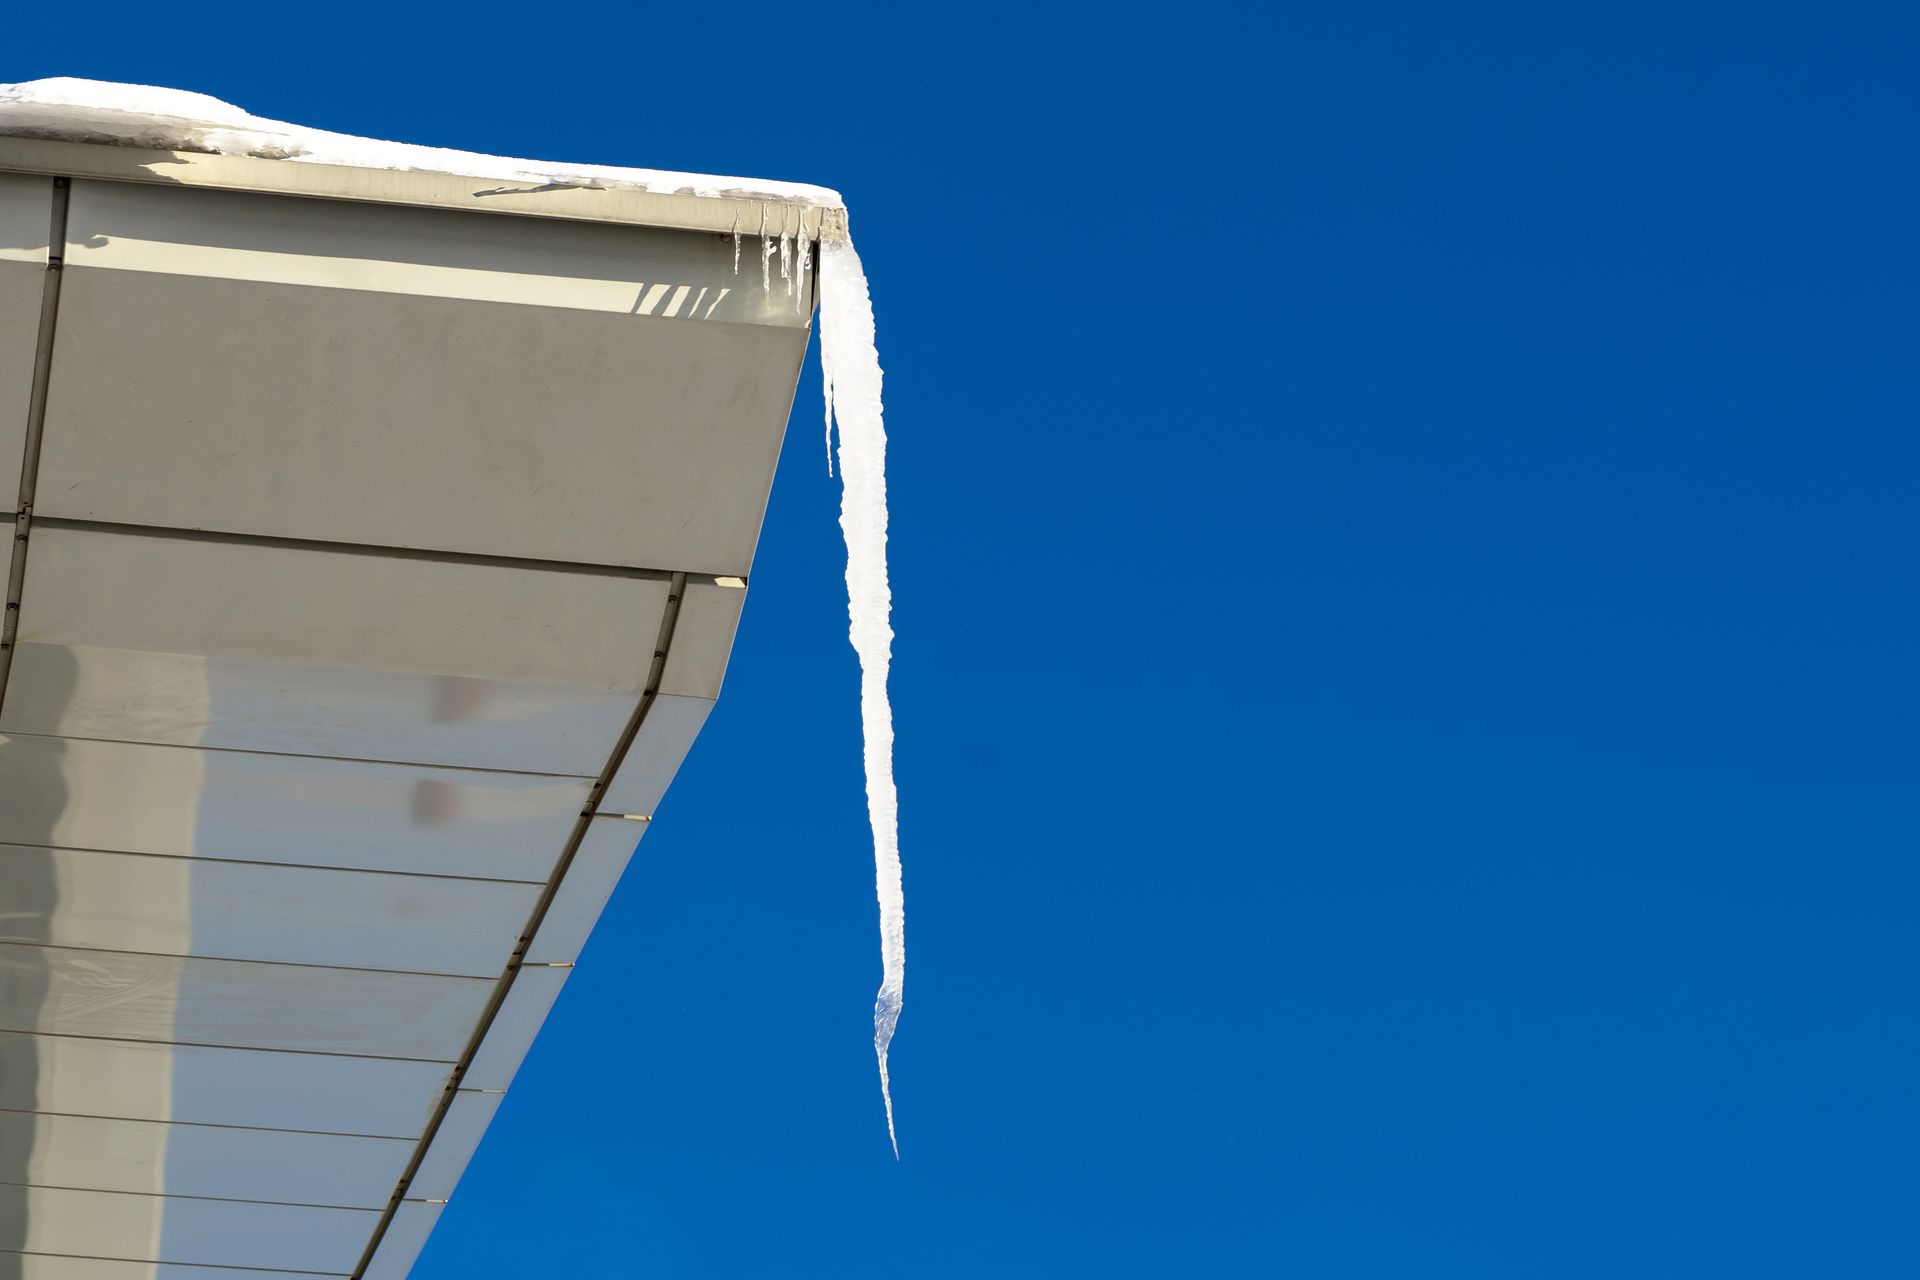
{"type": "Point", "coordinates": [748, 213]}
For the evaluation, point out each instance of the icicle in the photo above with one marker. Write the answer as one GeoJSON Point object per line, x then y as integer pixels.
{"type": "Point", "coordinates": [850, 368]}
{"type": "Point", "coordinates": [826, 388]}
{"type": "Point", "coordinates": [826, 379]}
{"type": "Point", "coordinates": [786, 254]}
{"type": "Point", "coordinates": [736, 242]}
{"type": "Point", "coordinates": [799, 295]}
{"type": "Point", "coordinates": [766, 254]}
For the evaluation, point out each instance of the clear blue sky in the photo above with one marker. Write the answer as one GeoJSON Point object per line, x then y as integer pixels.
{"type": "Point", "coordinates": [1404, 547]}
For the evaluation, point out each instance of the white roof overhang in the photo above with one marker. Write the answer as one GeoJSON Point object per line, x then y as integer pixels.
{"type": "Point", "coordinates": [376, 559]}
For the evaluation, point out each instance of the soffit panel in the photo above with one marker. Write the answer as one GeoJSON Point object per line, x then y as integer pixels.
{"type": "Point", "coordinates": [196, 1084]}
{"type": "Point", "coordinates": [149, 1158]}
{"type": "Point", "coordinates": [326, 244]}
{"type": "Point", "coordinates": [605, 849]}
{"type": "Point", "coordinates": [213, 1233]}
{"type": "Point", "coordinates": [308, 651]}
{"type": "Point", "coordinates": [560, 428]}
{"type": "Point", "coordinates": [330, 607]}
{"type": "Point", "coordinates": [703, 640]}
{"type": "Point", "coordinates": [527, 1003]}
{"type": "Point", "coordinates": [26, 218]}
{"type": "Point", "coordinates": [666, 735]}
{"type": "Point", "coordinates": [405, 1237]}
{"type": "Point", "coordinates": [240, 705]}
{"type": "Point", "coordinates": [259, 911]}
{"type": "Point", "coordinates": [312, 811]}
{"type": "Point", "coordinates": [454, 1143]}
{"type": "Point", "coordinates": [20, 289]}
{"type": "Point", "coordinates": [238, 1004]}
{"type": "Point", "coordinates": [46, 1266]}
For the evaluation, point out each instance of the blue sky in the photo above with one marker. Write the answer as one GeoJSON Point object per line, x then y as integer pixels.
{"type": "Point", "coordinates": [1404, 554]}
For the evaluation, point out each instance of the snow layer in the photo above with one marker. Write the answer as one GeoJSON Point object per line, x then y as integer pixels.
{"type": "Point", "coordinates": [135, 115]}
{"type": "Point", "coordinates": [174, 120]}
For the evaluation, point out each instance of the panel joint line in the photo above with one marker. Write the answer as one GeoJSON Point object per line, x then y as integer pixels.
{"type": "Point", "coordinates": [656, 675]}
{"type": "Point", "coordinates": [36, 427]}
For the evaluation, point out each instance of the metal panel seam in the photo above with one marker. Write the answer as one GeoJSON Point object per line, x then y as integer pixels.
{"type": "Point", "coordinates": [175, 1195]}
{"type": "Point", "coordinates": [215, 1267]}
{"type": "Point", "coordinates": [36, 424]}
{"type": "Point", "coordinates": [670, 616]}
{"type": "Point", "coordinates": [298, 755]}
{"type": "Point", "coordinates": [184, 858]}
{"type": "Point", "coordinates": [10, 943]}
{"type": "Point", "coordinates": [384, 551]}
{"type": "Point", "coordinates": [214, 1044]}
{"type": "Point", "coordinates": [198, 1124]}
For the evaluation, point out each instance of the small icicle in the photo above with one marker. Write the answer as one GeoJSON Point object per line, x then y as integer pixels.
{"type": "Point", "coordinates": [786, 254]}
{"type": "Point", "coordinates": [826, 383]}
{"type": "Point", "coordinates": [851, 371]}
{"type": "Point", "coordinates": [736, 242]}
{"type": "Point", "coordinates": [799, 295]}
{"type": "Point", "coordinates": [766, 254]}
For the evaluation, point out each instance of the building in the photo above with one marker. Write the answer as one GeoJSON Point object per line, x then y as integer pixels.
{"type": "Point", "coordinates": [379, 543]}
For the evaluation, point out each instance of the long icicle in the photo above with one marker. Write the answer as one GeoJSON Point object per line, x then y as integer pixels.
{"type": "Point", "coordinates": [850, 366]}
{"type": "Point", "coordinates": [826, 385]}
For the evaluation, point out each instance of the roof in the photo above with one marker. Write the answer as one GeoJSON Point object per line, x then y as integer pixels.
{"type": "Point", "coordinates": [376, 562]}
{"type": "Point", "coordinates": [137, 133]}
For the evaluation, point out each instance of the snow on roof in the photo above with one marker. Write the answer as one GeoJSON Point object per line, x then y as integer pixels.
{"type": "Point", "coordinates": [131, 115]}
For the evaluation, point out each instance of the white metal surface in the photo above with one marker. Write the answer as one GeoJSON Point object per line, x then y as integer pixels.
{"type": "Point", "coordinates": [238, 1004]}
{"type": "Point", "coordinates": [643, 777]}
{"type": "Point", "coordinates": [197, 1084]}
{"type": "Point", "coordinates": [703, 638]}
{"type": "Point", "coordinates": [413, 1221]}
{"type": "Point", "coordinates": [192, 642]}
{"type": "Point", "coordinates": [223, 1162]}
{"type": "Point", "coordinates": [213, 1233]}
{"type": "Point", "coordinates": [263, 911]}
{"type": "Point", "coordinates": [26, 216]}
{"type": "Point", "coordinates": [601, 857]}
{"type": "Point", "coordinates": [528, 1001]}
{"type": "Point", "coordinates": [454, 1143]}
{"type": "Point", "coordinates": [371, 545]}
{"type": "Point", "coordinates": [45, 1266]}
{"type": "Point", "coordinates": [301, 810]}
{"type": "Point", "coordinates": [577, 417]}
